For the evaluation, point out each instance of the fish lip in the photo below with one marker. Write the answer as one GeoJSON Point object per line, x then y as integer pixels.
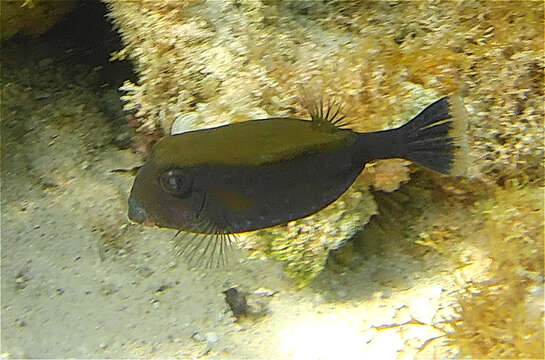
{"type": "Point", "coordinates": [150, 223]}
{"type": "Point", "coordinates": [136, 213]}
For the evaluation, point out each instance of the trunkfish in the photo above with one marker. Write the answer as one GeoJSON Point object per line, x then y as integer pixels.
{"type": "Point", "coordinates": [213, 183]}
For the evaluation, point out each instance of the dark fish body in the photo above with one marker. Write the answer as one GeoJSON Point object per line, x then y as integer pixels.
{"type": "Point", "coordinates": [256, 174]}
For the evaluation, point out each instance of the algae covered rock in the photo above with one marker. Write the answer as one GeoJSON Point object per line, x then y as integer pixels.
{"type": "Point", "coordinates": [502, 313]}
{"type": "Point", "coordinates": [239, 60]}
{"type": "Point", "coordinates": [303, 245]}
{"type": "Point", "coordinates": [31, 17]}
{"type": "Point", "coordinates": [227, 61]}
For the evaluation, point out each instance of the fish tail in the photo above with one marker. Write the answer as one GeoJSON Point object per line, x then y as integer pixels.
{"type": "Point", "coordinates": [436, 138]}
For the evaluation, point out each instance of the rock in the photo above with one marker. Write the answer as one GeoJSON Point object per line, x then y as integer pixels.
{"type": "Point", "coordinates": [417, 336]}
{"type": "Point", "coordinates": [424, 307]}
{"type": "Point", "coordinates": [211, 337]}
{"type": "Point", "coordinates": [369, 334]}
{"type": "Point", "coordinates": [402, 316]}
{"type": "Point", "coordinates": [265, 292]}
{"type": "Point", "coordinates": [382, 317]}
{"type": "Point", "coordinates": [385, 345]}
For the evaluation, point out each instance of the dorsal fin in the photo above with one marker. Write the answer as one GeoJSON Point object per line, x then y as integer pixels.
{"type": "Point", "coordinates": [183, 123]}
{"type": "Point", "coordinates": [329, 116]}
{"type": "Point", "coordinates": [188, 122]}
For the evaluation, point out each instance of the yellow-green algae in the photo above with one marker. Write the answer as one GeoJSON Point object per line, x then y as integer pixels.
{"type": "Point", "coordinates": [502, 315]}
{"type": "Point", "coordinates": [493, 238]}
{"type": "Point", "coordinates": [239, 60]}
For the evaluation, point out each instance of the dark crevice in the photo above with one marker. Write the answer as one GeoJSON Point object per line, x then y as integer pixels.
{"type": "Point", "coordinates": [76, 51]}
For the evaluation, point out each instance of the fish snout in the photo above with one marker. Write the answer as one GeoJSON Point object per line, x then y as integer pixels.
{"type": "Point", "coordinates": [137, 213]}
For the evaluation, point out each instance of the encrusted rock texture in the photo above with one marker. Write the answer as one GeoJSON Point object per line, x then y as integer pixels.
{"type": "Point", "coordinates": [304, 244]}
{"type": "Point", "coordinates": [228, 61]}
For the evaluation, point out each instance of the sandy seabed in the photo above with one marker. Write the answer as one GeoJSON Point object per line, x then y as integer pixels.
{"type": "Point", "coordinates": [79, 281]}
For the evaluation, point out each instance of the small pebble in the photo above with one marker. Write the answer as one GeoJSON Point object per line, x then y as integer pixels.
{"type": "Point", "coordinates": [211, 337]}
{"type": "Point", "coordinates": [265, 292]}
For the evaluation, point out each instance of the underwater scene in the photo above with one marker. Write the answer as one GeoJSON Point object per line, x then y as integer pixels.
{"type": "Point", "coordinates": [272, 179]}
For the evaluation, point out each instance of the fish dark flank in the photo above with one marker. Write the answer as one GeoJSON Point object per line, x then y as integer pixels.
{"type": "Point", "coordinates": [256, 174]}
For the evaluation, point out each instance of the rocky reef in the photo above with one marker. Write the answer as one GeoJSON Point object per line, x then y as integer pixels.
{"type": "Point", "coordinates": [502, 309]}
{"type": "Point", "coordinates": [238, 60]}
{"type": "Point", "coordinates": [31, 17]}
{"type": "Point", "coordinates": [304, 244]}
{"type": "Point", "coordinates": [229, 61]}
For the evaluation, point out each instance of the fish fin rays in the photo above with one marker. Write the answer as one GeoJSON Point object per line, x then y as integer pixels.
{"type": "Point", "coordinates": [211, 248]}
{"type": "Point", "coordinates": [183, 123]}
{"type": "Point", "coordinates": [437, 137]}
{"type": "Point", "coordinates": [189, 122]}
{"type": "Point", "coordinates": [329, 115]}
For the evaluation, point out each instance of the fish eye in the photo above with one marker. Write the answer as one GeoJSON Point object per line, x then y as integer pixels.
{"type": "Point", "coordinates": [176, 183]}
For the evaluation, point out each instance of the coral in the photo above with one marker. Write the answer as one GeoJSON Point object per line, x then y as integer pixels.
{"type": "Point", "coordinates": [303, 245]}
{"type": "Point", "coordinates": [31, 17]}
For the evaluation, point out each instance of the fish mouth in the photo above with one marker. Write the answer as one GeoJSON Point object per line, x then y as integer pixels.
{"type": "Point", "coordinates": [150, 223]}
{"type": "Point", "coordinates": [137, 214]}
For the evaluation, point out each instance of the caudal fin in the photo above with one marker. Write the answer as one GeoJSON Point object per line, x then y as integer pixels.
{"type": "Point", "coordinates": [436, 138]}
